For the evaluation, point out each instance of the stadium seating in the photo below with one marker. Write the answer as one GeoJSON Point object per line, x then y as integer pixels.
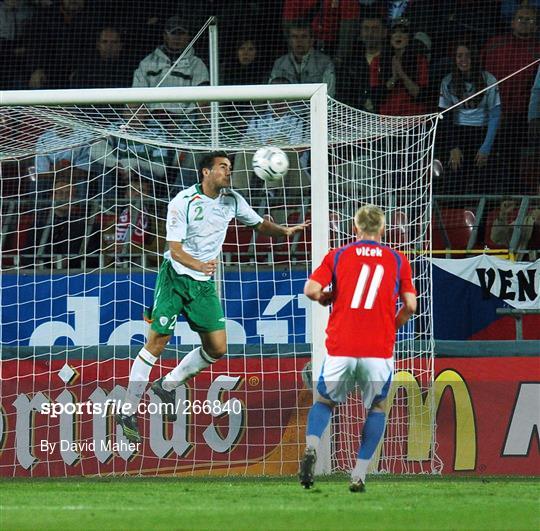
{"type": "Point", "coordinates": [452, 229]}
{"type": "Point", "coordinates": [300, 246]}
{"type": "Point", "coordinates": [396, 232]}
{"type": "Point", "coordinates": [237, 243]}
{"type": "Point", "coordinates": [261, 250]}
{"type": "Point", "coordinates": [242, 172]}
{"type": "Point", "coordinates": [18, 239]}
{"type": "Point", "coordinates": [491, 217]}
{"type": "Point", "coordinates": [296, 182]}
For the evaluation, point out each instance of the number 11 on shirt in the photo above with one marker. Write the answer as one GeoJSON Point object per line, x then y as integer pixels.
{"type": "Point", "coordinates": [373, 286]}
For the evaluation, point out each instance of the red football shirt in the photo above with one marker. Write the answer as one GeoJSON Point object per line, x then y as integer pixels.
{"type": "Point", "coordinates": [366, 278]}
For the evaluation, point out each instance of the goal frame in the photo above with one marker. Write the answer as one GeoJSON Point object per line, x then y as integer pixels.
{"type": "Point", "coordinates": [316, 93]}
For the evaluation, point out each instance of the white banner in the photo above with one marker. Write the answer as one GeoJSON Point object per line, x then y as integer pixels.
{"type": "Point", "coordinates": [517, 283]}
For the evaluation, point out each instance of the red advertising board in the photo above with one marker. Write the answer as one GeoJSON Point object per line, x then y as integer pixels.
{"type": "Point", "coordinates": [490, 424]}
{"type": "Point", "coordinates": [487, 420]}
{"type": "Point", "coordinates": [249, 437]}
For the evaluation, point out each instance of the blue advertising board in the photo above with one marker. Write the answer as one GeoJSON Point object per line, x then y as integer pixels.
{"type": "Point", "coordinates": [107, 308]}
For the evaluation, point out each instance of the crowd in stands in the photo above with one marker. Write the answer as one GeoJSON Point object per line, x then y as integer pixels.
{"type": "Point", "coordinates": [382, 56]}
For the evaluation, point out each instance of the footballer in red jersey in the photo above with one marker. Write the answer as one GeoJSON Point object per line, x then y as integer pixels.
{"type": "Point", "coordinates": [367, 278]}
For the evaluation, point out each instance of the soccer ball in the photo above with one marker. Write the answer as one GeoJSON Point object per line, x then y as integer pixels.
{"type": "Point", "coordinates": [270, 163]}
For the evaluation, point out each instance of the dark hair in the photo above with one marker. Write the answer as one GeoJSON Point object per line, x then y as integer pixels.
{"type": "Point", "coordinates": [300, 23]}
{"type": "Point", "coordinates": [409, 59]}
{"type": "Point", "coordinates": [476, 76]}
{"type": "Point", "coordinates": [373, 12]}
{"type": "Point", "coordinates": [120, 32]}
{"type": "Point", "coordinates": [402, 24]}
{"type": "Point", "coordinates": [208, 161]}
{"type": "Point", "coordinates": [248, 37]}
{"type": "Point", "coordinates": [524, 6]}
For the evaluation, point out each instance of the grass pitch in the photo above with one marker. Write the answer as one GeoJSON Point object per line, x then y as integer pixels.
{"type": "Point", "coordinates": [276, 503]}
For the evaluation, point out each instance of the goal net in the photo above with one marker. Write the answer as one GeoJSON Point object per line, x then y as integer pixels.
{"type": "Point", "coordinates": [85, 188]}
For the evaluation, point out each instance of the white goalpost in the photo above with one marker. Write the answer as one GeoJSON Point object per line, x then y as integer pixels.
{"type": "Point", "coordinates": [86, 179]}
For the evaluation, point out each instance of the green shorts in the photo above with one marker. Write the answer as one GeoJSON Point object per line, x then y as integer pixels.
{"type": "Point", "coordinates": [178, 294]}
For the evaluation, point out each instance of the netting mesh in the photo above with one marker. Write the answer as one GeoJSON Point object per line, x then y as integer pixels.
{"type": "Point", "coordinates": [86, 234]}
{"type": "Point", "coordinates": [357, 47]}
{"type": "Point", "coordinates": [390, 165]}
{"type": "Point", "coordinates": [84, 192]}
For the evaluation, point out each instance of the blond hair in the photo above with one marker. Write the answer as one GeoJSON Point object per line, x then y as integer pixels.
{"type": "Point", "coordinates": [369, 219]}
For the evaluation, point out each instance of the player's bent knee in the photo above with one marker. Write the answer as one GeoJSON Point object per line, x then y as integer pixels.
{"type": "Point", "coordinates": [214, 343]}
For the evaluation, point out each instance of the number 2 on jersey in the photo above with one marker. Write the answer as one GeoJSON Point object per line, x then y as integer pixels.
{"type": "Point", "coordinates": [198, 213]}
{"type": "Point", "coordinates": [373, 286]}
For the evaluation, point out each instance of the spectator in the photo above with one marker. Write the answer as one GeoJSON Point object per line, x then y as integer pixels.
{"type": "Point", "coordinates": [60, 37]}
{"type": "Point", "coordinates": [53, 156]}
{"type": "Point", "coordinates": [333, 23]}
{"type": "Point", "coordinates": [410, 75]}
{"type": "Point", "coordinates": [118, 156]}
{"type": "Point", "coordinates": [278, 124]}
{"type": "Point", "coordinates": [460, 15]}
{"type": "Point", "coordinates": [108, 66]}
{"type": "Point", "coordinates": [137, 227]}
{"type": "Point", "coordinates": [142, 20]}
{"type": "Point", "coordinates": [531, 161]}
{"type": "Point", "coordinates": [15, 17]}
{"type": "Point", "coordinates": [246, 67]}
{"type": "Point", "coordinates": [61, 231]}
{"type": "Point", "coordinates": [303, 64]}
{"type": "Point", "coordinates": [38, 79]}
{"type": "Point", "coordinates": [470, 130]}
{"type": "Point", "coordinates": [155, 69]}
{"type": "Point", "coordinates": [503, 55]}
{"type": "Point", "coordinates": [233, 16]}
{"type": "Point", "coordinates": [361, 78]}
{"type": "Point", "coordinates": [33, 79]}
{"type": "Point", "coordinates": [509, 8]}
{"type": "Point", "coordinates": [421, 16]}
{"type": "Point", "coordinates": [195, 128]}
{"type": "Point", "coordinates": [505, 223]}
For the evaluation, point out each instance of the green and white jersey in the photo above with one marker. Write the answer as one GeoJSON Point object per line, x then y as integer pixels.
{"type": "Point", "coordinates": [200, 223]}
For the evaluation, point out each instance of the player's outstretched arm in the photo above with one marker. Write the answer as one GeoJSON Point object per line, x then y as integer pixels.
{"type": "Point", "coordinates": [273, 229]}
{"type": "Point", "coordinates": [179, 255]}
{"type": "Point", "coordinates": [407, 310]}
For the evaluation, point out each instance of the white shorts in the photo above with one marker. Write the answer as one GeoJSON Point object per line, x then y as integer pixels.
{"type": "Point", "coordinates": [340, 374]}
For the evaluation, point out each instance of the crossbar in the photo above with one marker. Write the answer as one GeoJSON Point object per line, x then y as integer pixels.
{"type": "Point", "coordinates": [158, 95]}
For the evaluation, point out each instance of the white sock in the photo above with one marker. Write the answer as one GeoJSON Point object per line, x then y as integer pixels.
{"type": "Point", "coordinates": [312, 442]}
{"type": "Point", "coordinates": [191, 365]}
{"type": "Point", "coordinates": [360, 470]}
{"type": "Point", "coordinates": [138, 379]}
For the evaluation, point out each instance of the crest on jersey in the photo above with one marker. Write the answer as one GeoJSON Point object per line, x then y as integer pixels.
{"type": "Point", "coordinates": [172, 220]}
